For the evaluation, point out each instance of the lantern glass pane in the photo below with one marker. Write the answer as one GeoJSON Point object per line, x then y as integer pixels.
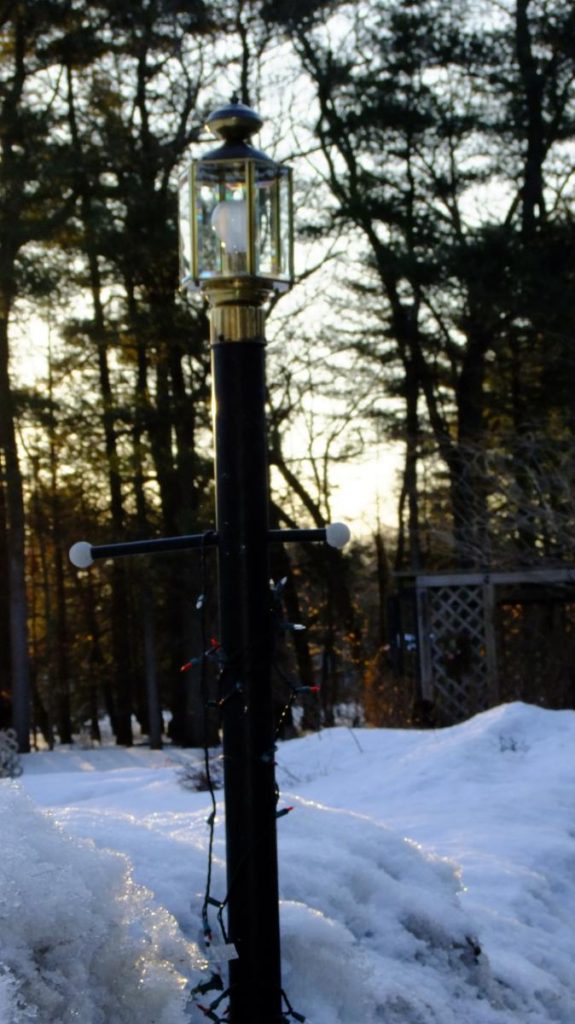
{"type": "Point", "coordinates": [285, 226]}
{"type": "Point", "coordinates": [266, 205]}
{"type": "Point", "coordinates": [185, 229]}
{"type": "Point", "coordinates": [222, 219]}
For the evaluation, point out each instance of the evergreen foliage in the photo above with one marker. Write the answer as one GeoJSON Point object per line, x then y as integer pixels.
{"type": "Point", "coordinates": [441, 188]}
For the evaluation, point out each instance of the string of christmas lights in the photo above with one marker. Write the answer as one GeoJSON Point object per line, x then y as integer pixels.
{"type": "Point", "coordinates": [213, 650]}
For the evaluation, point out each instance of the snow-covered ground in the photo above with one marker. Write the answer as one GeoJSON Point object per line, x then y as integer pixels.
{"type": "Point", "coordinates": [426, 878]}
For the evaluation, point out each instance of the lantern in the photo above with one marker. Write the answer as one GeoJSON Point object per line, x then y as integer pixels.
{"type": "Point", "coordinates": [236, 235]}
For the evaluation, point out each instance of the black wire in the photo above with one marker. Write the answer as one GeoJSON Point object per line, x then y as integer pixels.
{"type": "Point", "coordinates": [284, 713]}
{"type": "Point", "coordinates": [290, 1010]}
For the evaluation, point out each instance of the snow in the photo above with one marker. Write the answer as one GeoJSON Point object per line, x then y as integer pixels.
{"type": "Point", "coordinates": [427, 877]}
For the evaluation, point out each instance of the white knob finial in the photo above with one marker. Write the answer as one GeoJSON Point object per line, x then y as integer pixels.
{"type": "Point", "coordinates": [80, 554]}
{"type": "Point", "coordinates": [337, 535]}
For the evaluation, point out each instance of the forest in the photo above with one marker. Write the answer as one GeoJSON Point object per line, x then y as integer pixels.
{"type": "Point", "coordinates": [432, 146]}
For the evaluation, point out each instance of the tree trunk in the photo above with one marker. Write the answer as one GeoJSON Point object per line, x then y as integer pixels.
{"type": "Point", "coordinates": [467, 464]}
{"type": "Point", "coordinates": [61, 661]}
{"type": "Point", "coordinates": [532, 193]}
{"type": "Point", "coordinates": [153, 715]}
{"type": "Point", "coordinates": [282, 569]}
{"type": "Point", "coordinates": [20, 667]}
{"type": "Point", "coordinates": [5, 660]}
{"type": "Point", "coordinates": [122, 709]}
{"type": "Point", "coordinates": [383, 588]}
{"type": "Point", "coordinates": [410, 539]}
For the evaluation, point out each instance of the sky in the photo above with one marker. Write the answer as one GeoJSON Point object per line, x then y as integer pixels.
{"type": "Point", "coordinates": [426, 877]}
{"type": "Point", "coordinates": [364, 490]}
{"type": "Point", "coordinates": [365, 493]}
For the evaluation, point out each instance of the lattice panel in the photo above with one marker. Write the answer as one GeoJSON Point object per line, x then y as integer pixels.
{"type": "Point", "coordinates": [456, 620]}
{"type": "Point", "coordinates": [488, 638]}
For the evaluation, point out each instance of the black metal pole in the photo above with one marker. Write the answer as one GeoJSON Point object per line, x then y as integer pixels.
{"type": "Point", "coordinates": [242, 538]}
{"type": "Point", "coordinates": [248, 728]}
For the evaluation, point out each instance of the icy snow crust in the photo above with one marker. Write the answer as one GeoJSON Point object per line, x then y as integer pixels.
{"type": "Point", "coordinates": [426, 878]}
{"type": "Point", "coordinates": [79, 941]}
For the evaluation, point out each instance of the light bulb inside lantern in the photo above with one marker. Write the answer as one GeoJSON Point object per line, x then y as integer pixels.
{"type": "Point", "coordinates": [230, 222]}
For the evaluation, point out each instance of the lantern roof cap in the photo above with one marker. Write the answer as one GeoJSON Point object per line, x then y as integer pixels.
{"type": "Point", "coordinates": [235, 122]}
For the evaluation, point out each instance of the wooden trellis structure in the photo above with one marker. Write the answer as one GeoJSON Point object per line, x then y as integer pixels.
{"type": "Point", "coordinates": [479, 639]}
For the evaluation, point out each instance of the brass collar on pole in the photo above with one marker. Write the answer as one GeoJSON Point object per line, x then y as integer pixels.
{"type": "Point", "coordinates": [237, 323]}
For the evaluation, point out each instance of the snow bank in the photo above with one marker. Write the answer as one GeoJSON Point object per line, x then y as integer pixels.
{"type": "Point", "coordinates": [78, 939]}
{"type": "Point", "coordinates": [374, 929]}
{"type": "Point", "coordinates": [426, 877]}
{"type": "Point", "coordinates": [496, 795]}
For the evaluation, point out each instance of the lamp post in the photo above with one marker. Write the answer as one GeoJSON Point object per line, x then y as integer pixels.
{"type": "Point", "coordinates": [236, 247]}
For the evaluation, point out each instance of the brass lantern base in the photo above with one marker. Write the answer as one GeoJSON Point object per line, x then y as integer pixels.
{"type": "Point", "coordinates": [236, 312]}
{"type": "Point", "coordinates": [237, 323]}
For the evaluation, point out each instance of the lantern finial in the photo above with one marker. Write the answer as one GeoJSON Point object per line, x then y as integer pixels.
{"type": "Point", "coordinates": [234, 123]}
